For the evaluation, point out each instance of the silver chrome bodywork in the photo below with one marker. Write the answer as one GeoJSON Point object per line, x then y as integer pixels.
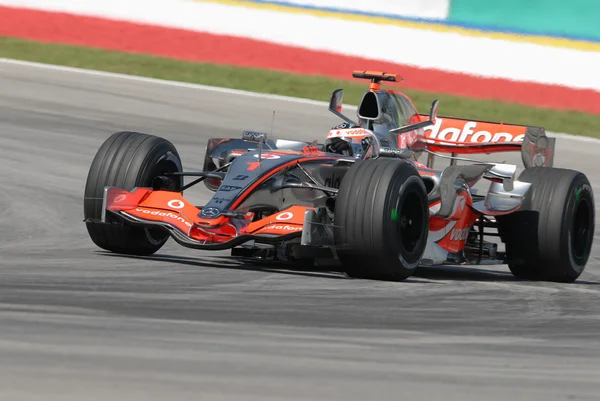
{"type": "Point", "coordinates": [499, 201]}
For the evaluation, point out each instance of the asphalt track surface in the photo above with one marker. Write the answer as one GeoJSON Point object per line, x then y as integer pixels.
{"type": "Point", "coordinates": [77, 323]}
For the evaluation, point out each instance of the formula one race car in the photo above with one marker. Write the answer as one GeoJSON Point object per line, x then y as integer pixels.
{"type": "Point", "coordinates": [360, 200]}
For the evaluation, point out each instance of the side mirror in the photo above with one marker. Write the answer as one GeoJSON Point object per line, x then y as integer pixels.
{"type": "Point", "coordinates": [433, 113]}
{"type": "Point", "coordinates": [336, 100]}
{"type": "Point", "coordinates": [335, 105]}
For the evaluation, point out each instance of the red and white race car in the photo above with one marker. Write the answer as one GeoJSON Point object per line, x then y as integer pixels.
{"type": "Point", "coordinates": [361, 200]}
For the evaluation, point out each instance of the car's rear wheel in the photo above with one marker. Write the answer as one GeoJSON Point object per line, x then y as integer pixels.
{"type": "Point", "coordinates": [127, 160]}
{"type": "Point", "coordinates": [381, 219]}
{"type": "Point", "coordinates": [551, 236]}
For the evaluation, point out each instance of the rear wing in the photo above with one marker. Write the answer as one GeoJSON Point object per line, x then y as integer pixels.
{"type": "Point", "coordinates": [461, 136]}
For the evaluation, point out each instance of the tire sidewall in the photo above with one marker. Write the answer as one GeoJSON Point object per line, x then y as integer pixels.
{"type": "Point", "coordinates": [580, 194]}
{"type": "Point", "coordinates": [539, 237]}
{"type": "Point", "coordinates": [368, 238]}
{"type": "Point", "coordinates": [407, 185]}
{"type": "Point", "coordinates": [127, 160]}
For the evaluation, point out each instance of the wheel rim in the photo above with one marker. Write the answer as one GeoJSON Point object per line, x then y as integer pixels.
{"type": "Point", "coordinates": [409, 216]}
{"type": "Point", "coordinates": [163, 167]}
{"type": "Point", "coordinates": [156, 236]}
{"type": "Point", "coordinates": [581, 230]}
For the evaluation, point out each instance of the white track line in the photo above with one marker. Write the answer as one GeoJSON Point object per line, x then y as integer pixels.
{"type": "Point", "coordinates": [220, 90]}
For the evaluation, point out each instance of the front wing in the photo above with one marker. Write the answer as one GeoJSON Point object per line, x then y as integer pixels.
{"type": "Point", "coordinates": [172, 212]}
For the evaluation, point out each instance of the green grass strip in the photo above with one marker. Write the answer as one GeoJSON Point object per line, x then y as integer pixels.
{"type": "Point", "coordinates": [281, 83]}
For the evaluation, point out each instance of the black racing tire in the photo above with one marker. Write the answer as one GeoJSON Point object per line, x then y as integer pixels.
{"type": "Point", "coordinates": [127, 160]}
{"type": "Point", "coordinates": [551, 236]}
{"type": "Point", "coordinates": [381, 220]}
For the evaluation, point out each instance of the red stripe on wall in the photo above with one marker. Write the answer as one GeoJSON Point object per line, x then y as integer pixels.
{"type": "Point", "coordinates": [203, 47]}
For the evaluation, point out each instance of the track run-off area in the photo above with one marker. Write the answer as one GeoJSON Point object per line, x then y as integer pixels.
{"type": "Point", "coordinates": [77, 323]}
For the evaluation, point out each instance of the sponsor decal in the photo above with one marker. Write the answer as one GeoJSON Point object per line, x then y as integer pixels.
{"type": "Point", "coordinates": [349, 133]}
{"type": "Point", "coordinates": [333, 181]}
{"type": "Point", "coordinates": [392, 152]}
{"type": "Point", "coordinates": [210, 212]}
{"type": "Point", "coordinates": [470, 133]}
{"type": "Point", "coordinates": [539, 152]}
{"type": "Point", "coordinates": [228, 188]}
{"type": "Point", "coordinates": [283, 227]}
{"type": "Point", "coordinates": [218, 200]}
{"type": "Point", "coordinates": [310, 149]}
{"type": "Point", "coordinates": [459, 234]}
{"type": "Point", "coordinates": [119, 198]}
{"type": "Point", "coordinates": [176, 204]}
{"type": "Point", "coordinates": [284, 216]}
{"type": "Point", "coordinates": [170, 215]}
{"type": "Point", "coordinates": [240, 177]}
{"type": "Point", "coordinates": [252, 166]}
{"type": "Point", "coordinates": [268, 156]}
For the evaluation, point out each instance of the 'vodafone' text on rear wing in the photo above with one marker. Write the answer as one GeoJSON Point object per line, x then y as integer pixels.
{"type": "Point", "coordinates": [461, 136]}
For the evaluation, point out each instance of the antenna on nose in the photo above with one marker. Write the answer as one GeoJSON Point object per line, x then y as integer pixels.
{"type": "Point", "coordinates": [272, 123]}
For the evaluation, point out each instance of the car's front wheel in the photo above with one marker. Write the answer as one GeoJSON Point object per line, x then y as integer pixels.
{"type": "Point", "coordinates": [127, 160]}
{"type": "Point", "coordinates": [381, 219]}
